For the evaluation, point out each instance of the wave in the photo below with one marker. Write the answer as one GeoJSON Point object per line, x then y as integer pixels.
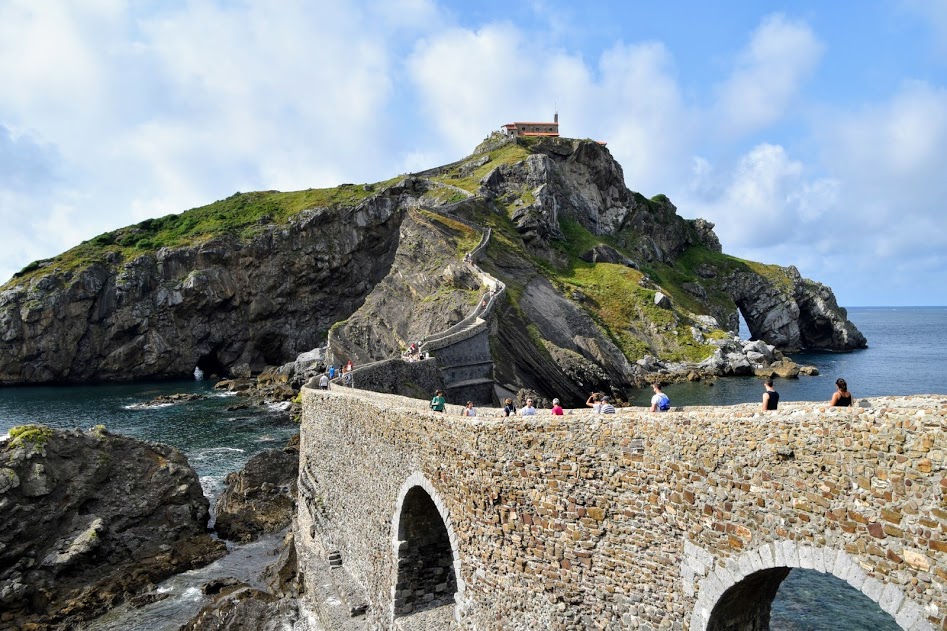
{"type": "Point", "coordinates": [146, 406]}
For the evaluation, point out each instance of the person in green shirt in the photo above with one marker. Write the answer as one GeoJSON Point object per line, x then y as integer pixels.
{"type": "Point", "coordinates": [438, 403]}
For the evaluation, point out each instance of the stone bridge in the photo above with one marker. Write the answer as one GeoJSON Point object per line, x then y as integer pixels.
{"type": "Point", "coordinates": [682, 520]}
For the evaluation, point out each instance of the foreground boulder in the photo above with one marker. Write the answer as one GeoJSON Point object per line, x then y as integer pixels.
{"type": "Point", "coordinates": [261, 498]}
{"type": "Point", "coordinates": [89, 519]}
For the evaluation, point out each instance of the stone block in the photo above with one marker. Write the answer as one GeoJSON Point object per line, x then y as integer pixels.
{"type": "Point", "coordinates": [806, 555]}
{"type": "Point", "coordinates": [872, 588]}
{"type": "Point", "coordinates": [891, 599]}
{"type": "Point", "coordinates": [767, 559]}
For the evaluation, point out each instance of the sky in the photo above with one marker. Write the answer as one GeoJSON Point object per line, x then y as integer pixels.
{"type": "Point", "coordinates": [810, 133]}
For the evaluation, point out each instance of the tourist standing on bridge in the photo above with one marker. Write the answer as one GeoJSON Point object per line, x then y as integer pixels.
{"type": "Point", "coordinates": [842, 397]}
{"type": "Point", "coordinates": [660, 401]}
{"type": "Point", "coordinates": [324, 381]}
{"type": "Point", "coordinates": [607, 407]}
{"type": "Point", "coordinates": [770, 397]}
{"type": "Point", "coordinates": [529, 410]}
{"type": "Point", "coordinates": [556, 408]}
{"type": "Point", "coordinates": [469, 409]}
{"type": "Point", "coordinates": [595, 402]}
{"type": "Point", "coordinates": [509, 409]}
{"type": "Point", "coordinates": [438, 403]}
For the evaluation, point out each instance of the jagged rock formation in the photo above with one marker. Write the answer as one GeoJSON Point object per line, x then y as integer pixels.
{"type": "Point", "coordinates": [88, 519]}
{"type": "Point", "coordinates": [598, 278]}
{"type": "Point", "coordinates": [260, 498]}
{"type": "Point", "coordinates": [799, 314]}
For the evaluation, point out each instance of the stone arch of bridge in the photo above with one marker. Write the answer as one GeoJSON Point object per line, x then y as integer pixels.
{"type": "Point", "coordinates": [734, 596]}
{"type": "Point", "coordinates": [424, 547]}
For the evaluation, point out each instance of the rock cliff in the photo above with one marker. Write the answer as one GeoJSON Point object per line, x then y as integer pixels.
{"type": "Point", "coordinates": [601, 282]}
{"type": "Point", "coordinates": [87, 519]}
{"type": "Point", "coordinates": [224, 301]}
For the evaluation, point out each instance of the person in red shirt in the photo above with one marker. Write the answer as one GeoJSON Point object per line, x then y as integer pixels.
{"type": "Point", "coordinates": [556, 408]}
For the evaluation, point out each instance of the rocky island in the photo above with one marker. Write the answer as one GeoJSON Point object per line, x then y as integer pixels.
{"type": "Point", "coordinates": [591, 285]}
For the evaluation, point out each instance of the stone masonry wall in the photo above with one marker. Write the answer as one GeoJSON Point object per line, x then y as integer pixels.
{"type": "Point", "coordinates": [636, 520]}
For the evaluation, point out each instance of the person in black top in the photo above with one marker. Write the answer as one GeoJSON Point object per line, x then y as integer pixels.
{"type": "Point", "coordinates": [770, 397]}
{"type": "Point", "coordinates": [842, 397]}
{"type": "Point", "coordinates": [509, 409]}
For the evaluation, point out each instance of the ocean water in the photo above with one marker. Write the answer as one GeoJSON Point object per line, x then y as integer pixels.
{"type": "Point", "coordinates": [904, 357]}
{"type": "Point", "coordinates": [216, 440]}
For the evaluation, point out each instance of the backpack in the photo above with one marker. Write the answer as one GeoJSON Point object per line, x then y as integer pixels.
{"type": "Point", "coordinates": [665, 403]}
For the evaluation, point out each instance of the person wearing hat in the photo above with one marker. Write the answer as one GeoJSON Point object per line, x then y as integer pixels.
{"type": "Point", "coordinates": [607, 407]}
{"type": "Point", "coordinates": [556, 408]}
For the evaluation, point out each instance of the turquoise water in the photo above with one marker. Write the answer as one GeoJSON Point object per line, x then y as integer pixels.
{"type": "Point", "coordinates": [904, 357]}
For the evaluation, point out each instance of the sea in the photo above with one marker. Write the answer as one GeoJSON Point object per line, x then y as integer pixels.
{"type": "Point", "coordinates": [905, 355]}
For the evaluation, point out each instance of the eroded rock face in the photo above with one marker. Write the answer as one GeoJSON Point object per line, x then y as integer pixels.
{"type": "Point", "coordinates": [223, 303]}
{"type": "Point", "coordinates": [89, 519]}
{"type": "Point", "coordinates": [261, 497]}
{"type": "Point", "coordinates": [804, 315]}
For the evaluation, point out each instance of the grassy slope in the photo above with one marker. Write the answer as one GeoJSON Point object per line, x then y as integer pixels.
{"type": "Point", "coordinates": [241, 214]}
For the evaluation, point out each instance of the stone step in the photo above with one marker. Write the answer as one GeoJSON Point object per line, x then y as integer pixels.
{"type": "Point", "coordinates": [334, 600]}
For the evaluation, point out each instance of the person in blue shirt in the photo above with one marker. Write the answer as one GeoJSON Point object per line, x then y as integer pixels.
{"type": "Point", "coordinates": [660, 401]}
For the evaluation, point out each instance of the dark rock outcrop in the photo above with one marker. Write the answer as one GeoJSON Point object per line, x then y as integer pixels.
{"type": "Point", "coordinates": [223, 303]}
{"type": "Point", "coordinates": [89, 519]}
{"type": "Point", "coordinates": [260, 498]}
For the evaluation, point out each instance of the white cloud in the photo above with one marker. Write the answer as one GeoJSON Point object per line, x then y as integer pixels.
{"type": "Point", "coordinates": [769, 73]}
{"type": "Point", "coordinates": [470, 82]}
{"type": "Point", "coordinates": [766, 199]}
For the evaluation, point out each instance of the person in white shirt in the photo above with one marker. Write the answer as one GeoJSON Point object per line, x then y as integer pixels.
{"type": "Point", "coordinates": [595, 402]}
{"type": "Point", "coordinates": [529, 410]}
{"type": "Point", "coordinates": [469, 409]}
{"type": "Point", "coordinates": [324, 381]}
{"type": "Point", "coordinates": [660, 401]}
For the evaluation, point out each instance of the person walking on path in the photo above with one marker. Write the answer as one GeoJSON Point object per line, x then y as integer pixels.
{"type": "Point", "coordinates": [324, 381]}
{"type": "Point", "coordinates": [556, 408]}
{"type": "Point", "coordinates": [595, 402]}
{"type": "Point", "coordinates": [438, 403]}
{"type": "Point", "coordinates": [469, 409]}
{"type": "Point", "coordinates": [529, 410]}
{"type": "Point", "coordinates": [842, 397]}
{"type": "Point", "coordinates": [770, 397]}
{"type": "Point", "coordinates": [607, 407]}
{"type": "Point", "coordinates": [660, 401]}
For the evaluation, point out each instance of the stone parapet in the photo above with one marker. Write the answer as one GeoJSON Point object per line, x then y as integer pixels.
{"type": "Point", "coordinates": [637, 519]}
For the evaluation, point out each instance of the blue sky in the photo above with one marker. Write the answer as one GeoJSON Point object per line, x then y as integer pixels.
{"type": "Point", "coordinates": [811, 133]}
